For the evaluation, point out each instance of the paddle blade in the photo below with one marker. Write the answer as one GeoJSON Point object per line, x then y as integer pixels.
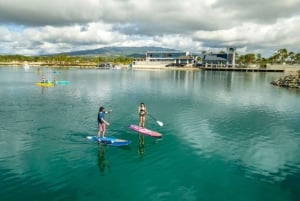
{"type": "Point", "coordinates": [160, 123]}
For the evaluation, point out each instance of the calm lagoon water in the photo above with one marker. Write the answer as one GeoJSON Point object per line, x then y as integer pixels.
{"type": "Point", "coordinates": [226, 136]}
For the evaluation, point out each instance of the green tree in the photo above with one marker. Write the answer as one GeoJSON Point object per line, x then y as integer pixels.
{"type": "Point", "coordinates": [291, 56]}
{"type": "Point", "coordinates": [297, 58]}
{"type": "Point", "coordinates": [258, 58]}
{"type": "Point", "coordinates": [283, 54]}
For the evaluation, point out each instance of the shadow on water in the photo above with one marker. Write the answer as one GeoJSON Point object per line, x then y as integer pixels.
{"type": "Point", "coordinates": [102, 160]}
{"type": "Point", "coordinates": [141, 140]}
{"type": "Point", "coordinates": [103, 163]}
{"type": "Point", "coordinates": [141, 144]}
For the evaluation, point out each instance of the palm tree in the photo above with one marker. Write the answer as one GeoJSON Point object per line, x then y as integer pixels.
{"type": "Point", "coordinates": [258, 57]}
{"type": "Point", "coordinates": [250, 58]}
{"type": "Point", "coordinates": [275, 57]}
{"type": "Point", "coordinates": [291, 55]}
{"type": "Point", "coordinates": [283, 54]}
{"type": "Point", "coordinates": [297, 58]}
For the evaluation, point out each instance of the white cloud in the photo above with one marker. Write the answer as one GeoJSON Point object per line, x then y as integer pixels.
{"type": "Point", "coordinates": [33, 26]}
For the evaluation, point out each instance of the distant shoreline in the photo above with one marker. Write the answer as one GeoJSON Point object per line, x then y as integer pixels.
{"type": "Point", "coordinates": [285, 67]}
{"type": "Point", "coordinates": [40, 64]}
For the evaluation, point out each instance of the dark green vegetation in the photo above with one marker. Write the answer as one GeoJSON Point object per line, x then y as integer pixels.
{"type": "Point", "coordinates": [280, 56]}
{"type": "Point", "coordinates": [63, 59]}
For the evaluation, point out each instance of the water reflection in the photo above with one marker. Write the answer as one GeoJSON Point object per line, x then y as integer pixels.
{"type": "Point", "coordinates": [141, 145]}
{"type": "Point", "coordinates": [43, 90]}
{"type": "Point", "coordinates": [103, 163]}
{"type": "Point", "coordinates": [266, 152]}
{"type": "Point", "coordinates": [240, 117]}
{"type": "Point", "coordinates": [218, 125]}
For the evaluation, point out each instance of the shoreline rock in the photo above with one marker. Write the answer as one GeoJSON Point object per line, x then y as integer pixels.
{"type": "Point", "coordinates": [288, 81]}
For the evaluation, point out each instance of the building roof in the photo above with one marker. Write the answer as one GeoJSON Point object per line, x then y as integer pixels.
{"type": "Point", "coordinates": [184, 57]}
{"type": "Point", "coordinates": [213, 58]}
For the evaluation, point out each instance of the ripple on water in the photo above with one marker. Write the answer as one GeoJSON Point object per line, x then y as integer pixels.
{"type": "Point", "coordinates": [268, 157]}
{"type": "Point", "coordinates": [222, 133]}
{"type": "Point", "coordinates": [262, 149]}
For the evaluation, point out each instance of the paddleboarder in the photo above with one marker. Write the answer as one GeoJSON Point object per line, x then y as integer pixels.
{"type": "Point", "coordinates": [142, 114]}
{"type": "Point", "coordinates": [102, 122]}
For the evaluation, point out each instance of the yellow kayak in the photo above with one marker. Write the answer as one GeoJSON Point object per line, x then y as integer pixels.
{"type": "Point", "coordinates": [44, 84]}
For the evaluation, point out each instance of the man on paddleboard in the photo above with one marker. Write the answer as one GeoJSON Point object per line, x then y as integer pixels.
{"type": "Point", "coordinates": [101, 121]}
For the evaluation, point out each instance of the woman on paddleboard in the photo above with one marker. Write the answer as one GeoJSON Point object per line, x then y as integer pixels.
{"type": "Point", "coordinates": [101, 121]}
{"type": "Point", "coordinates": [142, 114]}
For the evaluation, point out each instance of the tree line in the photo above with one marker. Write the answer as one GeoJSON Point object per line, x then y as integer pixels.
{"type": "Point", "coordinates": [281, 56]}
{"type": "Point", "coordinates": [63, 59]}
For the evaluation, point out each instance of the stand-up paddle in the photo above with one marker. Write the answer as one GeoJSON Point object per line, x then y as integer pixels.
{"type": "Point", "coordinates": [158, 122]}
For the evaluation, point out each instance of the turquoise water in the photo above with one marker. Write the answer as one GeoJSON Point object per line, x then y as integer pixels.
{"type": "Point", "coordinates": [226, 136]}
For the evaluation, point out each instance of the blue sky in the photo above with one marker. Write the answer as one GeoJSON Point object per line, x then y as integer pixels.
{"type": "Point", "coordinates": [33, 27]}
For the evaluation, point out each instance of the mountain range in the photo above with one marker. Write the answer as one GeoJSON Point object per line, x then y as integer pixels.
{"type": "Point", "coordinates": [117, 51]}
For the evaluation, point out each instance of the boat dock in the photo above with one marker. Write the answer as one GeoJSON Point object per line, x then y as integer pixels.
{"type": "Point", "coordinates": [242, 69]}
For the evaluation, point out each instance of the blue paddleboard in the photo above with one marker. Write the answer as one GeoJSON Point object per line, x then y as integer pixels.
{"type": "Point", "coordinates": [109, 141]}
{"type": "Point", "coordinates": [63, 82]}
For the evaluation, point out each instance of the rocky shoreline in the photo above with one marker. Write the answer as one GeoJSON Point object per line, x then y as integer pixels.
{"type": "Point", "coordinates": [289, 81]}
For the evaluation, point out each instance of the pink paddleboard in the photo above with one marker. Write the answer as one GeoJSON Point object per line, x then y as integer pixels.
{"type": "Point", "coordinates": [145, 131]}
